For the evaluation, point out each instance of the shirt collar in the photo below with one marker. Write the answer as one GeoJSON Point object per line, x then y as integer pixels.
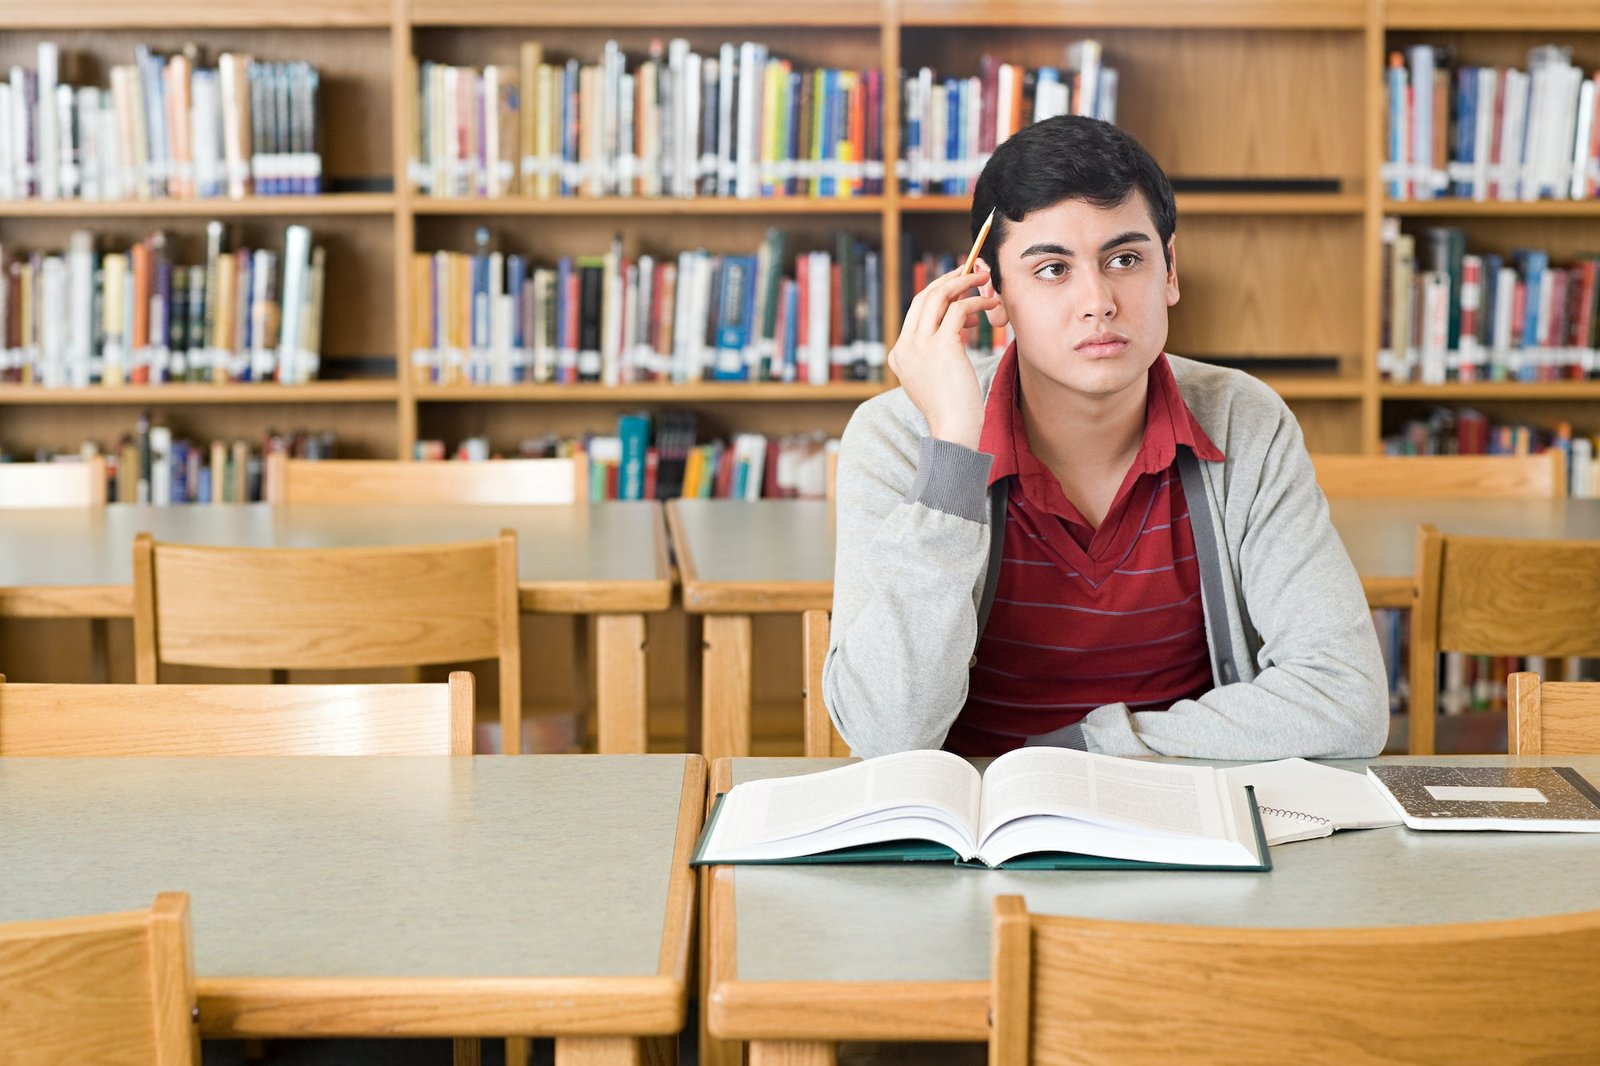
{"type": "Point", "coordinates": [1168, 422]}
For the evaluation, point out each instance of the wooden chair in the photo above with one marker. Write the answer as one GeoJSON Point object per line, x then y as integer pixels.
{"type": "Point", "coordinates": [821, 738]}
{"type": "Point", "coordinates": [499, 481]}
{"type": "Point", "coordinates": [105, 988]}
{"type": "Point", "coordinates": [260, 720]}
{"type": "Point", "coordinates": [66, 484]}
{"type": "Point", "coordinates": [1084, 990]}
{"type": "Point", "coordinates": [1497, 596]}
{"type": "Point", "coordinates": [333, 608]}
{"type": "Point", "coordinates": [1552, 718]}
{"type": "Point", "coordinates": [1541, 476]}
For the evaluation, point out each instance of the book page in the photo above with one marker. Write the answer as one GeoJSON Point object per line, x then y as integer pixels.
{"type": "Point", "coordinates": [916, 782]}
{"type": "Point", "coordinates": [1140, 796]}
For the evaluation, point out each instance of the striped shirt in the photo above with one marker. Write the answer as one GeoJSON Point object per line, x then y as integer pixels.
{"type": "Point", "coordinates": [1084, 617]}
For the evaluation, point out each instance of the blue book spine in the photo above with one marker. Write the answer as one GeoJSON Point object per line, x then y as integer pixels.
{"type": "Point", "coordinates": [1399, 188]}
{"type": "Point", "coordinates": [634, 432]}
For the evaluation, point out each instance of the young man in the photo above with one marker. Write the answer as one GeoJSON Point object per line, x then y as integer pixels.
{"type": "Point", "coordinates": [1087, 542]}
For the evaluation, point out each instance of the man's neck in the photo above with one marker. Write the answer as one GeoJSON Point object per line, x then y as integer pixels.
{"type": "Point", "coordinates": [1087, 442]}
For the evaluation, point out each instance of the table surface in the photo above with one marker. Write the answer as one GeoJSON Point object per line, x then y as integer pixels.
{"type": "Point", "coordinates": [429, 869]}
{"type": "Point", "coordinates": [618, 545]}
{"type": "Point", "coordinates": [747, 549]}
{"type": "Point", "coordinates": [805, 928]}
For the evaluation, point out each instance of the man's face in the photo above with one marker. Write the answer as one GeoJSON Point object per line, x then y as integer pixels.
{"type": "Point", "coordinates": [1087, 290]}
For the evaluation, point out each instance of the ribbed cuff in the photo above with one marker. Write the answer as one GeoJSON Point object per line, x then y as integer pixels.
{"type": "Point", "coordinates": [1068, 736]}
{"type": "Point", "coordinates": [953, 479]}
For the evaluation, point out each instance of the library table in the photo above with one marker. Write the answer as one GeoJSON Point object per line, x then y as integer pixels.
{"type": "Point", "coordinates": [805, 956]}
{"type": "Point", "coordinates": [608, 560]}
{"type": "Point", "coordinates": [738, 558]}
{"type": "Point", "coordinates": [1381, 534]}
{"type": "Point", "coordinates": [542, 895]}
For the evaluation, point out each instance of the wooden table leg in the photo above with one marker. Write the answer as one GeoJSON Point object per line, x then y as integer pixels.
{"type": "Point", "coordinates": [693, 691]}
{"type": "Point", "coordinates": [793, 1053]}
{"type": "Point", "coordinates": [725, 728]}
{"type": "Point", "coordinates": [616, 1051]}
{"type": "Point", "coordinates": [620, 693]}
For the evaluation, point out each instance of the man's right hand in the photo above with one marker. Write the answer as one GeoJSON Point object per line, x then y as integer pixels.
{"type": "Point", "coordinates": [930, 356]}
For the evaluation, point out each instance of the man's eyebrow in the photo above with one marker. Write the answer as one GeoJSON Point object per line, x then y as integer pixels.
{"type": "Point", "coordinates": [1132, 236]}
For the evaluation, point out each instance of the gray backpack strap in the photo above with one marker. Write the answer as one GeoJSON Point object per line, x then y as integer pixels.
{"type": "Point", "coordinates": [998, 494]}
{"type": "Point", "coordinates": [1210, 560]}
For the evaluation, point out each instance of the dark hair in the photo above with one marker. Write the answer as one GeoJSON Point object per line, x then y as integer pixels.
{"type": "Point", "coordinates": [1069, 157]}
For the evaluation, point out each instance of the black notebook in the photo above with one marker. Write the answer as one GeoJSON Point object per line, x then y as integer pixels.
{"type": "Point", "coordinates": [1539, 799]}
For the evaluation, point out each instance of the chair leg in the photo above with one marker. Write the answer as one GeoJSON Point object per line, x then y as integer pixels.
{"type": "Point", "coordinates": [468, 1051]}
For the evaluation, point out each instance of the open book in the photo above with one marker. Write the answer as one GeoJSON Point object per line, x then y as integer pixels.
{"type": "Point", "coordinates": [1039, 808]}
{"type": "Point", "coordinates": [1538, 799]}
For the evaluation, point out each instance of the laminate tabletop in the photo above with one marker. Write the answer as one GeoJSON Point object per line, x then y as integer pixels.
{"type": "Point", "coordinates": [570, 558]}
{"type": "Point", "coordinates": [528, 895]}
{"type": "Point", "coordinates": [903, 951]}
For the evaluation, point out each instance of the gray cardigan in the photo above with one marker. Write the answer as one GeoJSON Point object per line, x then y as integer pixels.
{"type": "Point", "coordinates": [1292, 643]}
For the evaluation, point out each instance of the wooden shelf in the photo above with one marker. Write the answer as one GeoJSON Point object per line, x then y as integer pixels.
{"type": "Point", "coordinates": [197, 393]}
{"type": "Point", "coordinates": [254, 207]}
{"type": "Point", "coordinates": [1158, 14]}
{"type": "Point", "coordinates": [650, 206]}
{"type": "Point", "coordinates": [1458, 208]}
{"type": "Point", "coordinates": [1194, 203]}
{"type": "Point", "coordinates": [1449, 15]}
{"type": "Point", "coordinates": [1494, 390]}
{"type": "Point", "coordinates": [702, 392]}
{"type": "Point", "coordinates": [195, 14]}
{"type": "Point", "coordinates": [643, 13]}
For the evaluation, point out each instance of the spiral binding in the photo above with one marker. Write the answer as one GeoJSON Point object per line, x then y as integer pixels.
{"type": "Point", "coordinates": [1282, 812]}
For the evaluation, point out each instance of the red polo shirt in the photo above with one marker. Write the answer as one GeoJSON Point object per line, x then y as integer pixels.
{"type": "Point", "coordinates": [1082, 616]}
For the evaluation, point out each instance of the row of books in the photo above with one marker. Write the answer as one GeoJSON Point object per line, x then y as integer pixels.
{"type": "Point", "coordinates": [152, 464]}
{"type": "Point", "coordinates": [1451, 315]}
{"type": "Point", "coordinates": [491, 318]}
{"type": "Point", "coordinates": [658, 457]}
{"type": "Point", "coordinates": [84, 317]}
{"type": "Point", "coordinates": [1466, 431]}
{"type": "Point", "coordinates": [952, 124]}
{"type": "Point", "coordinates": [741, 122]}
{"type": "Point", "coordinates": [168, 126]}
{"type": "Point", "coordinates": [1491, 133]}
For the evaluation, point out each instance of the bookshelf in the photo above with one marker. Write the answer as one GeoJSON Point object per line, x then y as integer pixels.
{"type": "Point", "coordinates": [1282, 282]}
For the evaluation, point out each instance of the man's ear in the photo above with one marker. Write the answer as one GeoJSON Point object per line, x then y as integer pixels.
{"type": "Point", "coordinates": [1172, 270]}
{"type": "Point", "coordinates": [997, 316]}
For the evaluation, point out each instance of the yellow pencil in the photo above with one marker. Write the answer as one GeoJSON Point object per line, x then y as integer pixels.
{"type": "Point", "coordinates": [983, 234]}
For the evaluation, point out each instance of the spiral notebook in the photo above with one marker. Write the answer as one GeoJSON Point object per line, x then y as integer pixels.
{"type": "Point", "coordinates": [1300, 800]}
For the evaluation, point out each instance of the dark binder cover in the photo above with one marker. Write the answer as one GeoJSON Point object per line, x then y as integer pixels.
{"type": "Point", "coordinates": [899, 851]}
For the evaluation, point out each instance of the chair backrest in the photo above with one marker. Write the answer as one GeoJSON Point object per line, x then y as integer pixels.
{"type": "Point", "coordinates": [820, 737]}
{"type": "Point", "coordinates": [261, 720]}
{"type": "Point", "coordinates": [498, 481]}
{"type": "Point", "coordinates": [330, 608]}
{"type": "Point", "coordinates": [1497, 596]}
{"type": "Point", "coordinates": [1540, 476]}
{"type": "Point", "coordinates": [66, 484]}
{"type": "Point", "coordinates": [1085, 990]}
{"type": "Point", "coordinates": [104, 988]}
{"type": "Point", "coordinates": [1552, 718]}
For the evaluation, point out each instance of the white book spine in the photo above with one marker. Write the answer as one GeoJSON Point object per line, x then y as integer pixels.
{"type": "Point", "coordinates": [53, 313]}
{"type": "Point", "coordinates": [819, 320]}
{"type": "Point", "coordinates": [160, 466]}
{"type": "Point", "coordinates": [296, 286]}
{"type": "Point", "coordinates": [48, 128]}
{"type": "Point", "coordinates": [80, 322]}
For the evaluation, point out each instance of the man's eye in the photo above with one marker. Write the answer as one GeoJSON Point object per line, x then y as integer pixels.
{"type": "Point", "coordinates": [1126, 260]}
{"type": "Point", "coordinates": [1052, 270]}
